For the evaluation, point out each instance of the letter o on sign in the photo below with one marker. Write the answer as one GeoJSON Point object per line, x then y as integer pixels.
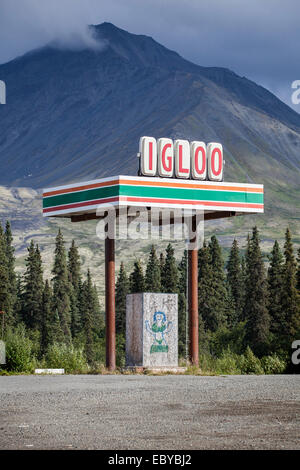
{"type": "Point", "coordinates": [199, 161]}
{"type": "Point", "coordinates": [215, 161]}
{"type": "Point", "coordinates": [165, 157]}
{"type": "Point", "coordinates": [148, 151]}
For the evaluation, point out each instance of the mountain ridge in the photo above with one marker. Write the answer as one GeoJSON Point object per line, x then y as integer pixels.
{"type": "Point", "coordinates": [78, 114]}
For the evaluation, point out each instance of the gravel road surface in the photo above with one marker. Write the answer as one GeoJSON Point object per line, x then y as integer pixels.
{"type": "Point", "coordinates": [149, 412]}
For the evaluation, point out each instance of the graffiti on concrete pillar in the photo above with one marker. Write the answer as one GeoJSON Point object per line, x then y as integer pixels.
{"type": "Point", "coordinates": [158, 329]}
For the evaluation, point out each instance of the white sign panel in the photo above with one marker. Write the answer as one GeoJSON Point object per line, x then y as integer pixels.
{"type": "Point", "coordinates": [165, 151]}
{"type": "Point", "coordinates": [182, 158]}
{"type": "Point", "coordinates": [215, 161]}
{"type": "Point", "coordinates": [198, 160]}
{"type": "Point", "coordinates": [148, 149]}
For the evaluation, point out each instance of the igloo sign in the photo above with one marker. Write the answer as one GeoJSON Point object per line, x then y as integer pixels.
{"type": "Point", "coordinates": [181, 159]}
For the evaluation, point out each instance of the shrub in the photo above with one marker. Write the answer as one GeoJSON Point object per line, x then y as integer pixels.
{"type": "Point", "coordinates": [227, 363]}
{"type": "Point", "coordinates": [273, 364]}
{"type": "Point", "coordinates": [35, 338]}
{"type": "Point", "coordinates": [63, 356]}
{"type": "Point", "coordinates": [98, 368]}
{"type": "Point", "coordinates": [19, 350]}
{"type": "Point", "coordinates": [120, 348]}
{"type": "Point", "coordinates": [225, 338]}
{"type": "Point", "coordinates": [249, 363]}
{"type": "Point", "coordinates": [99, 351]}
{"type": "Point", "coordinates": [193, 370]}
{"type": "Point", "coordinates": [206, 363]}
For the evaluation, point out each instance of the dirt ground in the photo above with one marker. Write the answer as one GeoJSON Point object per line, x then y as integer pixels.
{"type": "Point", "coordinates": [119, 412]}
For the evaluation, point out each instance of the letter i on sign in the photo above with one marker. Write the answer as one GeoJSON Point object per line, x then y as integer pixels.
{"type": "Point", "coordinates": [182, 159]}
{"type": "Point", "coordinates": [165, 157]}
{"type": "Point", "coordinates": [148, 151]}
{"type": "Point", "coordinates": [215, 161]}
{"type": "Point", "coordinates": [199, 161]}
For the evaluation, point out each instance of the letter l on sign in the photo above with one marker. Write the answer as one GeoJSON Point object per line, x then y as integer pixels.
{"type": "Point", "coordinates": [182, 159]}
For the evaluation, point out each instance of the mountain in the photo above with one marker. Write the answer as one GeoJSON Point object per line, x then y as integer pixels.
{"type": "Point", "coordinates": [74, 115]}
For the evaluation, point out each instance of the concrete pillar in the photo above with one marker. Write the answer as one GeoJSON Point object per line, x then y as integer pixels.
{"type": "Point", "coordinates": [152, 330]}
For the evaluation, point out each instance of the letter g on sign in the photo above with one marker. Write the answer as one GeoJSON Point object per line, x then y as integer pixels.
{"type": "Point", "coordinates": [165, 157]}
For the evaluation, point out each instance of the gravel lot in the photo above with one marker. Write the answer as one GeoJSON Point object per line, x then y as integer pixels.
{"type": "Point", "coordinates": [148, 412]}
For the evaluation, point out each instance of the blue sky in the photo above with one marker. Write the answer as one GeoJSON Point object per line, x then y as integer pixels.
{"type": "Point", "coordinates": [259, 39]}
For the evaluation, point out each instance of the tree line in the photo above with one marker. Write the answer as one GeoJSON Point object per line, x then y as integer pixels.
{"type": "Point", "coordinates": [242, 303]}
{"type": "Point", "coordinates": [63, 310]}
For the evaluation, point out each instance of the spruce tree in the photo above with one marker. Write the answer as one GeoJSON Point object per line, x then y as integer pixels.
{"type": "Point", "coordinates": [169, 281]}
{"type": "Point", "coordinates": [275, 280]}
{"type": "Point", "coordinates": [19, 299]}
{"type": "Point", "coordinates": [81, 303]}
{"type": "Point", "coordinates": [76, 322]}
{"type": "Point", "coordinates": [205, 289]}
{"type": "Point", "coordinates": [4, 278]}
{"type": "Point", "coordinates": [57, 335]}
{"type": "Point", "coordinates": [219, 291]}
{"type": "Point", "coordinates": [33, 288]}
{"type": "Point", "coordinates": [182, 304]}
{"type": "Point", "coordinates": [290, 295]}
{"type": "Point", "coordinates": [211, 307]}
{"type": "Point", "coordinates": [75, 283]}
{"type": "Point", "coordinates": [47, 336]}
{"type": "Point", "coordinates": [212, 291]}
{"type": "Point", "coordinates": [99, 324]}
{"type": "Point", "coordinates": [235, 283]}
{"type": "Point", "coordinates": [243, 272]}
{"type": "Point", "coordinates": [136, 279]}
{"type": "Point", "coordinates": [122, 289]}
{"type": "Point", "coordinates": [161, 267]}
{"type": "Point", "coordinates": [255, 310]}
{"type": "Point", "coordinates": [152, 278]}
{"type": "Point", "coordinates": [298, 271]}
{"type": "Point", "coordinates": [74, 266]}
{"type": "Point", "coordinates": [61, 287]}
{"type": "Point", "coordinates": [12, 287]}
{"type": "Point", "coordinates": [89, 317]}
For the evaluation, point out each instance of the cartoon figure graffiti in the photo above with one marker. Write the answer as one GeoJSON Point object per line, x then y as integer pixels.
{"type": "Point", "coordinates": [158, 330]}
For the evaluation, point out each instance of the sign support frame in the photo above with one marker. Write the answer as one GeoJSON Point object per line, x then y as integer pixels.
{"type": "Point", "coordinates": [80, 202]}
{"type": "Point", "coordinates": [110, 305]}
{"type": "Point", "coordinates": [110, 313]}
{"type": "Point", "coordinates": [193, 297]}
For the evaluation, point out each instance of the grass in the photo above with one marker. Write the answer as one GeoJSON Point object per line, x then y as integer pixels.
{"type": "Point", "coordinates": [23, 356]}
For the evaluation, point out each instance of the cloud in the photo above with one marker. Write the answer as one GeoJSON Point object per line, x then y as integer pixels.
{"type": "Point", "coordinates": [257, 39]}
{"type": "Point", "coordinates": [38, 22]}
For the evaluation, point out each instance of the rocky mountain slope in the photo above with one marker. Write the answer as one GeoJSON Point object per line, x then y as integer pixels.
{"type": "Point", "coordinates": [76, 115]}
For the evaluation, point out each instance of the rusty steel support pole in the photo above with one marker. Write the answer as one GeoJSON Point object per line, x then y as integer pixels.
{"type": "Point", "coordinates": [110, 315]}
{"type": "Point", "coordinates": [193, 296]}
